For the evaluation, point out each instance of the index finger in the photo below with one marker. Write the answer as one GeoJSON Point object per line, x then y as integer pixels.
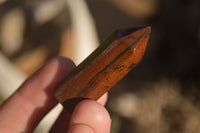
{"type": "Point", "coordinates": [27, 106]}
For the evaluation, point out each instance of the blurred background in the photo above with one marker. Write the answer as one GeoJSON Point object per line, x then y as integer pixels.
{"type": "Point", "coordinates": [161, 95]}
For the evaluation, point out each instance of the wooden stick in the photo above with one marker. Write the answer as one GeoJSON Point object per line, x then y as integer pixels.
{"type": "Point", "coordinates": [104, 67]}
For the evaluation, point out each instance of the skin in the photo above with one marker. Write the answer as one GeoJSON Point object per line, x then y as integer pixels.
{"type": "Point", "coordinates": [35, 98]}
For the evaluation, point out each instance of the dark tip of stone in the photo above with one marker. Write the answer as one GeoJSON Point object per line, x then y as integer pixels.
{"type": "Point", "coordinates": [123, 32]}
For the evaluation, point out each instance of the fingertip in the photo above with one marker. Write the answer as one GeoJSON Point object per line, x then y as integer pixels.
{"type": "Point", "coordinates": [63, 62]}
{"type": "Point", "coordinates": [92, 114]}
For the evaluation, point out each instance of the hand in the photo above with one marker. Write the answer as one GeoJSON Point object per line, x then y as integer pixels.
{"type": "Point", "coordinates": [35, 98]}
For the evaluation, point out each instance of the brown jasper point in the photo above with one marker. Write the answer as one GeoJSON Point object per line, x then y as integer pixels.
{"type": "Point", "coordinates": [103, 68]}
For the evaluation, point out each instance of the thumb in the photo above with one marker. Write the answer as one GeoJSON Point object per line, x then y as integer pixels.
{"type": "Point", "coordinates": [90, 117]}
